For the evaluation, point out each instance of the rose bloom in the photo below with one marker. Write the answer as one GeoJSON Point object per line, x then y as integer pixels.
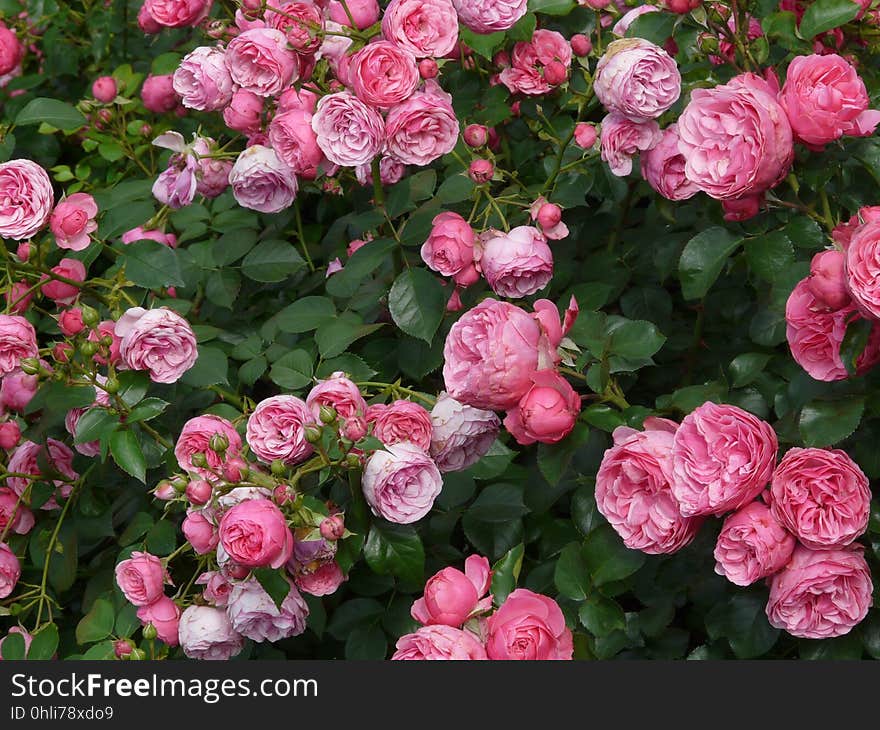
{"type": "Point", "coordinates": [177, 13]}
{"type": "Point", "coordinates": [460, 435]}
{"type": "Point", "coordinates": [637, 79]}
{"type": "Point", "coordinates": [10, 570]}
{"type": "Point", "coordinates": [422, 128]}
{"type": "Point", "coordinates": [200, 532]}
{"type": "Point", "coordinates": [821, 593]}
{"type": "Point", "coordinates": [515, 264]}
{"type": "Point", "coordinates": [432, 643]}
{"type": "Point", "coordinates": [26, 198]}
{"type": "Point", "coordinates": [339, 393]}
{"type": "Point", "coordinates": [323, 581]}
{"type": "Point", "coordinates": [202, 79]}
{"type": "Point", "coordinates": [402, 420]}
{"type": "Point", "coordinates": [176, 186]}
{"type": "Point", "coordinates": [159, 341]}
{"type": "Point", "coordinates": [488, 16]}
{"type": "Point", "coordinates": [73, 221]}
{"type": "Point", "coordinates": [450, 246]}
{"type": "Point", "coordinates": [735, 138]}
{"type": "Point", "coordinates": [364, 12]}
{"type": "Point", "coordinates": [26, 460]}
{"type": "Point", "coordinates": [255, 534]}
{"type": "Point", "coordinates": [822, 496]}
{"type": "Point", "coordinates": [164, 615]}
{"type": "Point", "coordinates": [139, 234]}
{"type": "Point", "coordinates": [349, 132]}
{"type": "Point", "coordinates": [253, 612]}
{"type": "Point", "coordinates": [752, 545]}
{"type": "Point", "coordinates": [206, 633]}
{"type": "Point", "coordinates": [528, 626]}
{"type": "Point", "coordinates": [401, 484]}
{"type": "Point", "coordinates": [142, 578]}
{"type": "Point", "coordinates": [663, 168]}
{"type": "Point", "coordinates": [295, 142]}
{"type": "Point", "coordinates": [825, 98]}
{"type": "Point", "coordinates": [863, 267]}
{"type": "Point", "coordinates": [14, 516]}
{"type": "Point", "coordinates": [17, 389]}
{"type": "Point", "coordinates": [276, 429]}
{"type": "Point", "coordinates": [294, 22]}
{"type": "Point", "coordinates": [18, 340]}
{"type": "Point", "coordinates": [195, 438]}
{"type": "Point", "coordinates": [310, 551]}
{"type": "Point", "coordinates": [62, 292]}
{"type": "Point", "coordinates": [383, 74]}
{"type": "Point", "coordinates": [634, 493]}
{"type": "Point", "coordinates": [261, 181]}
{"type": "Point", "coordinates": [425, 28]}
{"type": "Point", "coordinates": [546, 413]}
{"type": "Point", "coordinates": [827, 280]}
{"type": "Point", "coordinates": [452, 597]}
{"type": "Point", "coordinates": [843, 232]}
{"type": "Point", "coordinates": [260, 61]}
{"type": "Point", "coordinates": [621, 139]}
{"type": "Point", "coordinates": [528, 72]}
{"type": "Point", "coordinates": [722, 458]}
{"type": "Point", "coordinates": [158, 93]}
{"type": "Point", "coordinates": [212, 175]}
{"type": "Point", "coordinates": [12, 51]}
{"type": "Point", "coordinates": [243, 114]}
{"type": "Point", "coordinates": [217, 588]}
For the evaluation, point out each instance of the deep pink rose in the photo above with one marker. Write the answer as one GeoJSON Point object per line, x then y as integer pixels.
{"type": "Point", "coordinates": [14, 515]}
{"type": "Point", "coordinates": [585, 135]}
{"type": "Point", "coordinates": [452, 597]}
{"type": "Point", "coordinates": [276, 429]}
{"type": "Point", "coordinates": [73, 221]}
{"type": "Point", "coordinates": [752, 545]}
{"type": "Point", "coordinates": [159, 341]}
{"type": "Point", "coordinates": [460, 435]}
{"type": "Point", "coordinates": [546, 413]}
{"type": "Point", "coordinates": [433, 643]}
{"type": "Point", "coordinates": [10, 570]}
{"type": "Point", "coordinates": [295, 142]}
{"type": "Point", "coordinates": [323, 581]}
{"type": "Point", "coordinates": [202, 79]}
{"type": "Point", "coordinates": [339, 393]}
{"type": "Point", "coordinates": [261, 181]}
{"type": "Point", "coordinates": [621, 140]}
{"type": "Point", "coordinates": [402, 420]}
{"type": "Point", "coordinates": [18, 340]}
{"type": "Point", "coordinates": [843, 232]}
{"type": "Point", "coordinates": [401, 484]}
{"type": "Point", "coordinates": [243, 114]}
{"type": "Point", "coordinates": [422, 128]}
{"type": "Point", "coordinates": [260, 61]}
{"type": "Point", "coordinates": [206, 633]}
{"type": "Point", "coordinates": [142, 578]}
{"type": "Point", "coordinates": [488, 16]}
{"type": "Point", "coordinates": [828, 279]}
{"type": "Point", "coordinates": [528, 626]}
{"type": "Point", "coordinates": [195, 438]}
{"type": "Point", "coordinates": [59, 291]}
{"type": "Point", "coordinates": [532, 64]}
{"type": "Point", "coordinates": [26, 199]}
{"type": "Point", "coordinates": [254, 614]}
{"type": "Point", "coordinates": [11, 50]}
{"type": "Point", "coordinates": [104, 89]}
{"type": "Point", "coordinates": [663, 168]}
{"type": "Point", "coordinates": [297, 20]}
{"type": "Point", "coordinates": [821, 593]}
{"type": "Point", "coordinates": [178, 13]}
{"type": "Point", "coordinates": [17, 389]}
{"type": "Point", "coordinates": [164, 615]}
{"type": "Point", "coordinates": [515, 264]}
{"type": "Point", "coordinates": [425, 28]}
{"type": "Point", "coordinates": [158, 93]}
{"type": "Point", "coordinates": [383, 74]}
{"type": "Point", "coordinates": [863, 267]}
{"type": "Point", "coordinates": [450, 245]}
{"type": "Point", "coordinates": [26, 460]}
{"type": "Point", "coordinates": [364, 12]}
{"type": "Point", "coordinates": [349, 132]}
{"type": "Point", "coordinates": [255, 534]}
{"type": "Point", "coordinates": [722, 457]}
{"type": "Point", "coordinates": [200, 532]}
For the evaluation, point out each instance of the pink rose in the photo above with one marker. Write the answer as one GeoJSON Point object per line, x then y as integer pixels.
{"type": "Point", "coordinates": [822, 496]}
{"type": "Point", "coordinates": [827, 280]}
{"type": "Point", "coordinates": [71, 420]}
{"type": "Point", "coordinates": [259, 61]}
{"type": "Point", "coordinates": [821, 594]}
{"type": "Point", "coordinates": [212, 174]}
{"type": "Point", "coordinates": [14, 516]}
{"type": "Point", "coordinates": [403, 420]}
{"type": "Point", "coordinates": [106, 329]}
{"type": "Point", "coordinates": [530, 70]}
{"type": "Point", "coordinates": [73, 220]}
{"type": "Point", "coordinates": [142, 578]}
{"type": "Point", "coordinates": [585, 135]}
{"type": "Point", "coordinates": [104, 89]}
{"type": "Point", "coordinates": [178, 13]}
{"type": "Point", "coordinates": [206, 633]}
{"type": "Point", "coordinates": [17, 389]}
{"type": "Point", "coordinates": [825, 98]}
{"type": "Point", "coordinates": [261, 181]}
{"type": "Point", "coordinates": [452, 597]}
{"type": "Point", "coordinates": [276, 430]}
{"type": "Point", "coordinates": [255, 534]}
{"type": "Point", "coordinates": [59, 290]}
{"type": "Point", "coordinates": [546, 413]}
{"type": "Point", "coordinates": [323, 581]}
{"type": "Point", "coordinates": [18, 297]}
{"type": "Point", "coordinates": [176, 185]}
{"type": "Point", "coordinates": [195, 438]}
{"type": "Point", "coordinates": [11, 50]}
{"type": "Point", "coordinates": [26, 460]}
{"type": "Point", "coordinates": [10, 435]}
{"type": "Point", "coordinates": [432, 643]}
{"type": "Point", "coordinates": [422, 128]}
{"type": "Point", "coordinates": [164, 615]}
{"type": "Point", "coordinates": [244, 112]}
{"type": "Point", "coordinates": [401, 484]}
{"type": "Point", "coordinates": [634, 492]}
{"type": "Point", "coordinates": [843, 232]}
{"type": "Point", "coordinates": [637, 79]}
{"type": "Point", "coordinates": [528, 626]}
{"type": "Point", "coordinates": [515, 264]}
{"type": "Point", "coordinates": [364, 13]}
{"type": "Point", "coordinates": [159, 341]}
{"type": "Point", "coordinates": [349, 132]}
{"type": "Point", "coordinates": [663, 168]}
{"type": "Point", "coordinates": [460, 435]}
{"type": "Point", "coordinates": [253, 613]}
{"type": "Point", "coordinates": [297, 20]}
{"type": "Point", "coordinates": [863, 267]}
{"type": "Point", "coordinates": [26, 199]}
{"type": "Point", "coordinates": [752, 545]}
{"type": "Point", "coordinates": [146, 22]}
{"type": "Point", "coordinates": [217, 588]}
{"type": "Point", "coordinates": [18, 340]}
{"type": "Point", "coordinates": [339, 393]}
{"type": "Point", "coordinates": [390, 171]}
{"type": "Point", "coordinates": [488, 16]}
{"type": "Point", "coordinates": [383, 74]}
{"type": "Point", "coordinates": [158, 93]}
{"type": "Point", "coordinates": [722, 458]}
{"type": "Point", "coordinates": [621, 139]}
{"type": "Point", "coordinates": [450, 245]}
{"type": "Point", "coordinates": [139, 234]}
{"type": "Point", "coordinates": [735, 138]}
{"type": "Point", "coordinates": [295, 142]}
{"type": "Point", "coordinates": [200, 532]}
{"type": "Point", "coordinates": [202, 79]}
{"type": "Point", "coordinates": [10, 570]}
{"type": "Point", "coordinates": [425, 28]}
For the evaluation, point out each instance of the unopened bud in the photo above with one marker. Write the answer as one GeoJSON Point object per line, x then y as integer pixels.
{"type": "Point", "coordinates": [137, 654]}
{"type": "Point", "coordinates": [333, 527]}
{"type": "Point", "coordinates": [475, 135]}
{"type": "Point", "coordinates": [353, 461]}
{"type": "Point", "coordinates": [179, 483]}
{"type": "Point", "coordinates": [88, 348]}
{"type": "Point", "coordinates": [278, 468]}
{"type": "Point", "coordinates": [235, 470]}
{"type": "Point", "coordinates": [164, 491]}
{"type": "Point", "coordinates": [199, 460]}
{"type": "Point", "coordinates": [481, 171]}
{"type": "Point", "coordinates": [281, 494]}
{"type": "Point", "coordinates": [428, 68]}
{"type": "Point", "coordinates": [150, 632]}
{"type": "Point", "coordinates": [219, 443]}
{"type": "Point", "coordinates": [10, 435]}
{"type": "Point", "coordinates": [122, 648]}
{"type": "Point", "coordinates": [312, 434]}
{"type": "Point", "coordinates": [90, 316]}
{"type": "Point", "coordinates": [112, 385]}
{"type": "Point", "coordinates": [327, 414]}
{"type": "Point", "coordinates": [29, 366]}
{"type": "Point", "coordinates": [198, 491]}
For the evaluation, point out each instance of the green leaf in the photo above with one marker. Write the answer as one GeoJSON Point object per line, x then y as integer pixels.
{"type": "Point", "coordinates": [571, 575]}
{"type": "Point", "coordinates": [825, 15]}
{"type": "Point", "coordinates": [366, 642]}
{"type": "Point", "coordinates": [498, 503]}
{"type": "Point", "coordinates": [600, 616]}
{"type": "Point", "coordinates": [13, 647]}
{"type": "Point", "coordinates": [703, 258]}
{"type": "Point", "coordinates": [127, 621]}
{"type": "Point", "coordinates": [505, 573]}
{"type": "Point", "coordinates": [232, 245]}
{"type": "Point", "coordinates": [824, 423]}
{"type": "Point", "coordinates": [93, 424]}
{"type": "Point", "coordinates": [351, 614]}
{"type": "Point", "coordinates": [137, 527]}
{"type": "Point", "coordinates": [272, 261]}
{"type": "Point", "coordinates": [359, 266]}
{"type": "Point", "coordinates": [635, 339]}
{"type": "Point", "coordinates": [417, 301]}
{"type": "Point", "coordinates": [334, 337]}
{"type": "Point", "coordinates": [554, 459]}
{"type": "Point", "coordinates": [211, 368]}
{"type": "Point", "coordinates": [455, 188]}
{"type": "Point", "coordinates": [770, 255]}
{"type": "Point", "coordinates": [162, 538]}
{"type": "Point", "coordinates": [551, 7]}
{"type": "Point", "coordinates": [854, 343]}
{"type": "Point", "coordinates": [485, 44]}
{"type": "Point", "coordinates": [603, 417]}
{"type": "Point", "coordinates": [222, 287]}
{"type": "Point", "coordinates": [654, 27]}
{"type": "Point", "coordinates": [395, 550]}
{"type": "Point", "coordinates": [44, 644]}
{"type": "Point", "coordinates": [746, 367]}
{"type": "Point", "coordinates": [607, 558]}
{"type": "Point", "coordinates": [61, 397]}
{"type": "Point", "coordinates": [152, 265]}
{"type": "Point", "coordinates": [274, 583]}
{"type": "Point", "coordinates": [293, 370]}
{"type": "Point", "coordinates": [50, 111]}
{"type": "Point", "coordinates": [305, 314]}
{"type": "Point", "coordinates": [127, 453]}
{"type": "Point", "coordinates": [146, 410]}
{"type": "Point", "coordinates": [97, 624]}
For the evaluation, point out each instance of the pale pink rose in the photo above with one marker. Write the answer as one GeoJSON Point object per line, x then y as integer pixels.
{"type": "Point", "coordinates": [18, 340]}
{"type": "Point", "coordinates": [255, 534]}
{"type": "Point", "coordinates": [843, 232]}
{"type": "Point", "coordinates": [515, 264]}
{"type": "Point", "coordinates": [158, 93]}
{"type": "Point", "coordinates": [14, 515]}
{"type": "Point", "coordinates": [206, 633]}
{"type": "Point", "coordinates": [323, 581]}
{"type": "Point", "coordinates": [722, 458]}
{"type": "Point", "coordinates": [426, 28]}
{"type": "Point", "coordinates": [195, 438]}
{"type": "Point", "coordinates": [663, 168]}
{"type": "Point", "coordinates": [26, 199]}
{"type": "Point", "coordinates": [159, 341]}
{"type": "Point", "coordinates": [402, 420]}
{"type": "Point", "coordinates": [58, 290]}
{"type": "Point", "coordinates": [73, 221]}
{"type": "Point", "coordinates": [212, 174]}
{"type": "Point", "coordinates": [202, 80]}
{"type": "Point", "coordinates": [334, 48]}
{"type": "Point", "coordinates": [178, 13]}
{"type": "Point", "coordinates": [863, 267]}
{"type": "Point", "coordinates": [139, 234]}
{"type": "Point", "coordinates": [752, 545]}
{"type": "Point", "coordinates": [460, 435]}
{"type": "Point", "coordinates": [217, 588]}
{"type": "Point", "coordinates": [383, 74]}
{"type": "Point", "coordinates": [821, 594]}
{"type": "Point", "coordinates": [827, 279]}
{"type": "Point", "coordinates": [11, 50]}
{"type": "Point", "coordinates": [634, 492]}
{"type": "Point", "coordinates": [26, 460]}
{"type": "Point", "coordinates": [299, 21]}
{"type": "Point", "coordinates": [276, 429]}
{"type": "Point", "coordinates": [401, 484]}
{"type": "Point", "coordinates": [142, 578]}
{"type": "Point", "coordinates": [528, 626]}
{"type": "Point", "coordinates": [176, 185]}
{"type": "Point", "coordinates": [452, 597]}
{"type": "Point", "coordinates": [243, 114]}
{"type": "Point", "coordinates": [637, 79]}
{"type": "Point", "coordinates": [422, 128]}
{"type": "Point", "coordinates": [17, 389]}
{"type": "Point", "coordinates": [822, 496]}
{"type": "Point", "coordinates": [295, 142]}
{"type": "Point", "coordinates": [364, 12]}
{"type": "Point", "coordinates": [200, 532]}
{"type": "Point", "coordinates": [621, 139]}
{"type": "Point", "coordinates": [488, 16]}
{"type": "Point", "coordinates": [390, 171]}
{"type": "Point", "coordinates": [339, 393]}
{"type": "Point", "coordinates": [622, 26]}
{"type": "Point", "coordinates": [433, 643]}
{"type": "Point", "coordinates": [260, 61]}
{"type": "Point", "coordinates": [735, 138]}
{"type": "Point", "coordinates": [450, 245]}
{"type": "Point", "coordinates": [254, 614]}
{"type": "Point", "coordinates": [164, 615]}
{"type": "Point", "coordinates": [261, 181]}
{"type": "Point", "coordinates": [17, 630]}
{"type": "Point", "coordinates": [825, 98]}
{"type": "Point", "coordinates": [546, 413]}
{"type": "Point", "coordinates": [10, 570]}
{"type": "Point", "coordinates": [349, 132]}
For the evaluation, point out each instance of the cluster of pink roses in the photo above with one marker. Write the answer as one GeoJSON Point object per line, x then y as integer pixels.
{"type": "Point", "coordinates": [657, 485]}
{"type": "Point", "coordinates": [458, 621]}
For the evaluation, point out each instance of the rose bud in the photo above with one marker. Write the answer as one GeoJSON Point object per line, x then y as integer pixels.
{"type": "Point", "coordinates": [549, 215]}
{"type": "Point", "coordinates": [235, 470]}
{"type": "Point", "coordinates": [104, 89]}
{"type": "Point", "coordinates": [61, 352]}
{"type": "Point", "coordinates": [481, 171]}
{"type": "Point", "coordinates": [219, 443]}
{"type": "Point", "coordinates": [122, 648]}
{"type": "Point", "coordinates": [428, 68]}
{"type": "Point", "coordinates": [10, 435]}
{"type": "Point", "coordinates": [71, 322]}
{"type": "Point", "coordinates": [475, 135]}
{"type": "Point", "coordinates": [354, 429]}
{"type": "Point", "coordinates": [23, 251]}
{"type": "Point", "coordinates": [165, 491]}
{"type": "Point", "coordinates": [555, 73]}
{"type": "Point", "coordinates": [281, 494]}
{"type": "Point", "coordinates": [827, 279]}
{"type": "Point", "coordinates": [332, 527]}
{"type": "Point", "coordinates": [585, 135]}
{"type": "Point", "coordinates": [581, 45]}
{"type": "Point", "coordinates": [198, 491]}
